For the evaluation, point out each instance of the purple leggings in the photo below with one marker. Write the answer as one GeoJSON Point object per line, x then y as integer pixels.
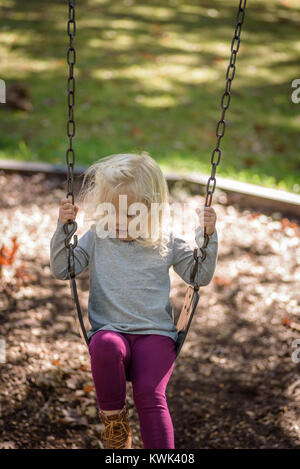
{"type": "Point", "coordinates": [149, 361]}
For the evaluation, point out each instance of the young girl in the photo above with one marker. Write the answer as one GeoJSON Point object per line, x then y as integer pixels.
{"type": "Point", "coordinates": [132, 334]}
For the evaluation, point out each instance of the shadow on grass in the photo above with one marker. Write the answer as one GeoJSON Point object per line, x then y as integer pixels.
{"type": "Point", "coordinates": [170, 115]}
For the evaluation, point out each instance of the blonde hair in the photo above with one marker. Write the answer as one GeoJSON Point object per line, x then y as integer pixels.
{"type": "Point", "coordinates": [143, 179]}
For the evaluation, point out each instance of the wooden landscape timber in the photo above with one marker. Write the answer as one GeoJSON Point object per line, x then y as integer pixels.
{"type": "Point", "coordinates": [239, 193]}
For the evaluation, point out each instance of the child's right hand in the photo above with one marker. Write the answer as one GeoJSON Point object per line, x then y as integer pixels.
{"type": "Point", "coordinates": [67, 211]}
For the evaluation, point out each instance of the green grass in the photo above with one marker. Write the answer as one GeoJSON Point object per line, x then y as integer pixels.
{"type": "Point", "coordinates": [149, 76]}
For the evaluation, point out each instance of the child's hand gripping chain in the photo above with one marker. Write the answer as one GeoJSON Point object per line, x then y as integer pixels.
{"type": "Point", "coordinates": [67, 211]}
{"type": "Point", "coordinates": [207, 219]}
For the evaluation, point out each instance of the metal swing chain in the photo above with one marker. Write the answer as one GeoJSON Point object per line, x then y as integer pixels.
{"type": "Point", "coordinates": [220, 129]}
{"type": "Point", "coordinates": [70, 159]}
{"type": "Point", "coordinates": [70, 153]}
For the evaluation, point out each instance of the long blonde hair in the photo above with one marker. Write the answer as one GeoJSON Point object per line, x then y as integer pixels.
{"type": "Point", "coordinates": [142, 177]}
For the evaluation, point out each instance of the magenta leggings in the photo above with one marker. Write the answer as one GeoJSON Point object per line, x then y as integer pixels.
{"type": "Point", "coordinates": [148, 359]}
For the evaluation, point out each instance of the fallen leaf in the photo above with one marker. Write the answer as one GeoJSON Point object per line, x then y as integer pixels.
{"type": "Point", "coordinates": [88, 388]}
{"type": "Point", "coordinates": [56, 363]}
{"type": "Point", "coordinates": [222, 281]}
{"type": "Point", "coordinates": [292, 324]}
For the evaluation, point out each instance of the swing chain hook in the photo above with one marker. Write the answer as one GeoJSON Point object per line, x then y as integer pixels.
{"type": "Point", "coordinates": [70, 246]}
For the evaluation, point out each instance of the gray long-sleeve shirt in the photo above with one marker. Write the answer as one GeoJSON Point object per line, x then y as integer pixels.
{"type": "Point", "coordinates": [130, 284]}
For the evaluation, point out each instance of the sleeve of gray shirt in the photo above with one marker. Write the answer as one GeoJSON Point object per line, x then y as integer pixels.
{"type": "Point", "coordinates": [183, 258]}
{"type": "Point", "coordinates": [59, 253]}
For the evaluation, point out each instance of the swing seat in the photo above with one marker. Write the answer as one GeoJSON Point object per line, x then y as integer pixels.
{"type": "Point", "coordinates": [186, 315]}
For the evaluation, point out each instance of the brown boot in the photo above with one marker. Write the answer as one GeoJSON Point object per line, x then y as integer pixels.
{"type": "Point", "coordinates": [117, 433]}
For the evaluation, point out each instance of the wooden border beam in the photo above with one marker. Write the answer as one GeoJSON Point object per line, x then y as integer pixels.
{"type": "Point", "coordinates": [243, 194]}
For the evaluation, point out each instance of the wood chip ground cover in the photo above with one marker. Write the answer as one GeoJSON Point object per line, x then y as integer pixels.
{"type": "Point", "coordinates": [234, 385]}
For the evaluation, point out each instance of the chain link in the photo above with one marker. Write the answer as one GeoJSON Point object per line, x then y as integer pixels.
{"type": "Point", "coordinates": [225, 102]}
{"type": "Point", "coordinates": [71, 130]}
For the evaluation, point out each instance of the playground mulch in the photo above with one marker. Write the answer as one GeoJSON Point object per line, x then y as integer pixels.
{"type": "Point", "coordinates": [236, 383]}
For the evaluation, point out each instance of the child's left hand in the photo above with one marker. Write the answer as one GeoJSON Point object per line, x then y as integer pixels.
{"type": "Point", "coordinates": [209, 217]}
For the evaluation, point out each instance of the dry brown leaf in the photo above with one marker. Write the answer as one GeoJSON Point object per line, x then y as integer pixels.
{"type": "Point", "coordinates": [88, 388]}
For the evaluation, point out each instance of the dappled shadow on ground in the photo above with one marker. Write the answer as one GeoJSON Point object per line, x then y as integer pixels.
{"type": "Point", "coordinates": [237, 397]}
{"type": "Point", "coordinates": [234, 384]}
